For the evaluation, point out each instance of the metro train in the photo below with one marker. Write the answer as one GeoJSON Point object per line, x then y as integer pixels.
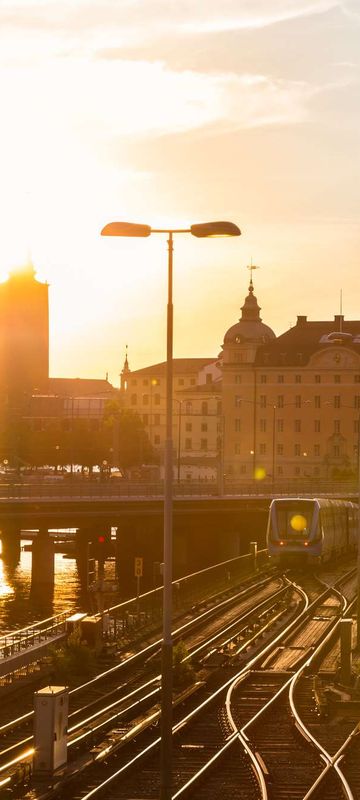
{"type": "Point", "coordinates": [310, 531]}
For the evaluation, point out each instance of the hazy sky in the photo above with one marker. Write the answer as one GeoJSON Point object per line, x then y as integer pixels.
{"type": "Point", "coordinates": [172, 113]}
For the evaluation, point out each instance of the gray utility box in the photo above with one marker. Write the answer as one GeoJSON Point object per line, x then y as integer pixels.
{"type": "Point", "coordinates": [51, 708]}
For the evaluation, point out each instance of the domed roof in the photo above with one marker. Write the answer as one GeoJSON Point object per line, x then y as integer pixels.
{"type": "Point", "coordinates": [250, 327]}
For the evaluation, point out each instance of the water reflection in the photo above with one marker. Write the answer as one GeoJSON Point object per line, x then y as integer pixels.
{"type": "Point", "coordinates": [20, 606]}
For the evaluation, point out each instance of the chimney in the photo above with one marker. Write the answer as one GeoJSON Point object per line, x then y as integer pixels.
{"type": "Point", "coordinates": [301, 320]}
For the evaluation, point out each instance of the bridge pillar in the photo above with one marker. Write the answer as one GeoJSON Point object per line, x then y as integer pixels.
{"type": "Point", "coordinates": [10, 545]}
{"type": "Point", "coordinates": [42, 566]}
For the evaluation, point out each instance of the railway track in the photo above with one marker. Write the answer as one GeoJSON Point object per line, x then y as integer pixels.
{"type": "Point", "coordinates": [125, 763]}
{"type": "Point", "coordinates": [96, 710]}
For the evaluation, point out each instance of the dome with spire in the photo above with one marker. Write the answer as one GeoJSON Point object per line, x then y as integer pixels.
{"type": "Point", "coordinates": [250, 327]}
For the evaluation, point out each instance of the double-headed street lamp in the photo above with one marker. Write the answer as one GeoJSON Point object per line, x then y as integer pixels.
{"type": "Point", "coordinates": [201, 231]}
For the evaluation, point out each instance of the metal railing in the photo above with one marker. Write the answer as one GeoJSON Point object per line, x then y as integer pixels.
{"type": "Point", "coordinates": [17, 641]}
{"type": "Point", "coordinates": [70, 490]}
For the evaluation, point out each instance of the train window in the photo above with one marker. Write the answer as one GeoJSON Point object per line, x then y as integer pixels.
{"type": "Point", "coordinates": [294, 521]}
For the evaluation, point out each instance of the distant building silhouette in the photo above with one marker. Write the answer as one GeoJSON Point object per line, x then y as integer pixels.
{"type": "Point", "coordinates": [24, 333]}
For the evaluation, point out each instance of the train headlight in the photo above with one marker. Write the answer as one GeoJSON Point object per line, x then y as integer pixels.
{"type": "Point", "coordinates": [298, 522]}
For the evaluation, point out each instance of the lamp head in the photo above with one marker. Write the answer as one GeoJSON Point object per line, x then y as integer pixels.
{"type": "Point", "coordinates": [125, 229]}
{"type": "Point", "coordinates": [207, 229]}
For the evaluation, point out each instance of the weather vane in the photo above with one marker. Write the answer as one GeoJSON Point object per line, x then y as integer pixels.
{"type": "Point", "coordinates": [251, 267]}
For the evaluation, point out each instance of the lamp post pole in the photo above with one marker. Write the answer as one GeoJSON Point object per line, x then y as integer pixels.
{"type": "Point", "coordinates": [202, 230]}
{"type": "Point", "coordinates": [166, 670]}
{"type": "Point", "coordinates": [358, 542]}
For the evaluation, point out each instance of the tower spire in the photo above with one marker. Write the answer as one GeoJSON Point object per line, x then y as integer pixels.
{"type": "Point", "coordinates": [251, 267]}
{"type": "Point", "coordinates": [125, 370]}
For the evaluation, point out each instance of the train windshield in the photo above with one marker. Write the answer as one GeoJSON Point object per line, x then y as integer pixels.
{"type": "Point", "coordinates": [294, 520]}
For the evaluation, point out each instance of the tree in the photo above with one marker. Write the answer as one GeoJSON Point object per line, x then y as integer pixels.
{"type": "Point", "coordinates": [127, 436]}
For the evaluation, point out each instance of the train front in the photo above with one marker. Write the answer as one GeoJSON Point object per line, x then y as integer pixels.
{"type": "Point", "coordinates": [294, 531]}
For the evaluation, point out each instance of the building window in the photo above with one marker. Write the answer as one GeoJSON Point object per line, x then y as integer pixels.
{"type": "Point", "coordinates": [238, 378]}
{"type": "Point", "coordinates": [316, 449]}
{"type": "Point", "coordinates": [181, 381]}
{"type": "Point", "coordinates": [263, 425]}
{"type": "Point", "coordinates": [145, 419]}
{"type": "Point", "coordinates": [298, 401]}
{"type": "Point", "coordinates": [156, 419]}
{"type": "Point", "coordinates": [133, 399]}
{"type": "Point", "coordinates": [297, 425]}
{"type": "Point", "coordinates": [356, 426]}
{"type": "Point", "coordinates": [299, 357]}
{"type": "Point", "coordinates": [317, 401]}
{"type": "Point", "coordinates": [156, 438]}
{"type": "Point", "coordinates": [297, 471]}
{"type": "Point", "coordinates": [317, 426]}
{"type": "Point", "coordinates": [317, 378]}
{"type": "Point", "coordinates": [336, 450]}
{"type": "Point", "coordinates": [204, 427]}
{"type": "Point", "coordinates": [337, 401]}
{"type": "Point", "coordinates": [145, 399]}
{"type": "Point", "coordinates": [133, 382]}
{"type": "Point", "coordinates": [188, 427]}
{"type": "Point", "coordinates": [188, 444]}
{"type": "Point", "coordinates": [203, 444]}
{"type": "Point", "coordinates": [157, 399]}
{"type": "Point", "coordinates": [218, 407]}
{"type": "Point", "coordinates": [280, 449]}
{"type": "Point", "coordinates": [145, 382]}
{"type": "Point", "coordinates": [263, 378]}
{"type": "Point", "coordinates": [357, 401]}
{"type": "Point", "coordinates": [297, 450]}
{"type": "Point", "coordinates": [242, 469]}
{"type": "Point", "coordinates": [280, 401]}
{"type": "Point", "coordinates": [280, 425]}
{"type": "Point", "coordinates": [263, 401]}
{"type": "Point", "coordinates": [336, 426]}
{"type": "Point", "coordinates": [262, 448]}
{"type": "Point", "coordinates": [280, 471]}
{"type": "Point", "coordinates": [192, 381]}
{"type": "Point", "coordinates": [337, 378]}
{"type": "Point", "coordinates": [297, 378]}
{"type": "Point", "coordinates": [356, 378]}
{"type": "Point", "coordinates": [204, 407]}
{"type": "Point", "coordinates": [237, 401]}
{"type": "Point", "coordinates": [238, 424]}
{"type": "Point", "coordinates": [237, 448]}
{"type": "Point", "coordinates": [188, 407]}
{"type": "Point", "coordinates": [280, 379]}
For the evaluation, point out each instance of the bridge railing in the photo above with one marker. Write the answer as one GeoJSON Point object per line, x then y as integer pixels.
{"type": "Point", "coordinates": [86, 489]}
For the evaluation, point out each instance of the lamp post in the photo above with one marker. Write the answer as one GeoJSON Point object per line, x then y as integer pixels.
{"type": "Point", "coordinates": [202, 230]}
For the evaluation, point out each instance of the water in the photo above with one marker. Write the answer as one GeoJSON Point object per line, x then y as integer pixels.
{"type": "Point", "coordinates": [19, 608]}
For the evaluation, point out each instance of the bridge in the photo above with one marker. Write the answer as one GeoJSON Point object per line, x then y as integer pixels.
{"type": "Point", "coordinates": [207, 527]}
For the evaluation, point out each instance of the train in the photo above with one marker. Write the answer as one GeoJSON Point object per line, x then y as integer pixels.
{"type": "Point", "coordinates": [310, 531]}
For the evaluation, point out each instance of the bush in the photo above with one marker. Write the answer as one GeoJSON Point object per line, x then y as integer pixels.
{"type": "Point", "coordinates": [183, 671]}
{"type": "Point", "coordinates": [74, 659]}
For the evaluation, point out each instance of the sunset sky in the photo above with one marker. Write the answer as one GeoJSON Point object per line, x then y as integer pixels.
{"type": "Point", "coordinates": [169, 113]}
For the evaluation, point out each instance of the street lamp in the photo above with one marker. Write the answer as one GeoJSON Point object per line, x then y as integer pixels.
{"type": "Point", "coordinates": [202, 230]}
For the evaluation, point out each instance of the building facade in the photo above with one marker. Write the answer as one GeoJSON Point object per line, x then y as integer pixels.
{"type": "Point", "coordinates": [291, 403]}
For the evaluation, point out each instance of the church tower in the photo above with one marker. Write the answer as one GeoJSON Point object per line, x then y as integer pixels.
{"type": "Point", "coordinates": [24, 334]}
